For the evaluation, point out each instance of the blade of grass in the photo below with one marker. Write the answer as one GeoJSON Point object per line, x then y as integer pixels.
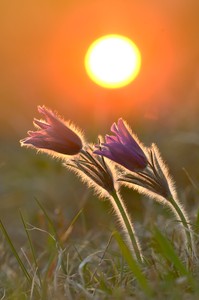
{"type": "Point", "coordinates": [197, 223]}
{"type": "Point", "coordinates": [169, 252]}
{"type": "Point", "coordinates": [84, 270]}
{"type": "Point", "coordinates": [23, 268]}
{"type": "Point", "coordinates": [46, 276]}
{"type": "Point", "coordinates": [191, 180]}
{"type": "Point", "coordinates": [54, 232]}
{"type": "Point", "coordinates": [68, 229]}
{"type": "Point", "coordinates": [133, 265]}
{"type": "Point", "coordinates": [31, 247]}
{"type": "Point", "coordinates": [52, 227]}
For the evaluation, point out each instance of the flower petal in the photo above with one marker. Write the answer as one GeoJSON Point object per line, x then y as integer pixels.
{"type": "Point", "coordinates": [123, 148]}
{"type": "Point", "coordinates": [53, 134]}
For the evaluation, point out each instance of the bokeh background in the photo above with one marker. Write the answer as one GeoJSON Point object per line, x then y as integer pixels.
{"type": "Point", "coordinates": [42, 50]}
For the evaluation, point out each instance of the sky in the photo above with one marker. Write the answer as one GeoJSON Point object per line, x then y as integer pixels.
{"type": "Point", "coordinates": [43, 44]}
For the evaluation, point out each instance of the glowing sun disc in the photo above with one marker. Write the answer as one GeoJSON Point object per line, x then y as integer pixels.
{"type": "Point", "coordinates": [113, 61]}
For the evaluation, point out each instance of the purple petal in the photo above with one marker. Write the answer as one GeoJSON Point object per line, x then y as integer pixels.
{"type": "Point", "coordinates": [41, 124]}
{"type": "Point", "coordinates": [53, 134]}
{"type": "Point", "coordinates": [123, 132]}
{"type": "Point", "coordinates": [122, 128]}
{"type": "Point", "coordinates": [123, 148]}
{"type": "Point", "coordinates": [24, 141]}
{"type": "Point", "coordinates": [111, 138]}
{"type": "Point", "coordinates": [51, 118]}
{"type": "Point", "coordinates": [114, 128]}
{"type": "Point", "coordinates": [126, 157]}
{"type": "Point", "coordinates": [104, 152]}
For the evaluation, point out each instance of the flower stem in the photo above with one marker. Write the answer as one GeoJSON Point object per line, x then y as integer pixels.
{"type": "Point", "coordinates": [185, 223]}
{"type": "Point", "coordinates": [126, 223]}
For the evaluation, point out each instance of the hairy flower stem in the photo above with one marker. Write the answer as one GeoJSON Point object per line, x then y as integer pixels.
{"type": "Point", "coordinates": [185, 223]}
{"type": "Point", "coordinates": [126, 223]}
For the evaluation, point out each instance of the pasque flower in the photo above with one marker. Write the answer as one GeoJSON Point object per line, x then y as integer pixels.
{"type": "Point", "coordinates": [53, 134]}
{"type": "Point", "coordinates": [123, 148]}
{"type": "Point", "coordinates": [101, 175]}
{"type": "Point", "coordinates": [148, 173]}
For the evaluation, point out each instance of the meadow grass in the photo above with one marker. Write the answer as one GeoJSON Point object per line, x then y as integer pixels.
{"type": "Point", "coordinates": [96, 266]}
{"type": "Point", "coordinates": [63, 244]}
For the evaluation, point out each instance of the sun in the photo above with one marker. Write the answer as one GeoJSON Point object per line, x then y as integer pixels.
{"type": "Point", "coordinates": [113, 61]}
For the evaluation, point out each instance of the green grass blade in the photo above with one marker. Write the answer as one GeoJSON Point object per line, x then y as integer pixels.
{"type": "Point", "coordinates": [133, 265]}
{"type": "Point", "coordinates": [169, 252]}
{"type": "Point", "coordinates": [31, 248]}
{"type": "Point", "coordinates": [46, 276]}
{"type": "Point", "coordinates": [23, 268]}
{"type": "Point", "coordinates": [197, 223]}
{"type": "Point", "coordinates": [67, 231]}
{"type": "Point", "coordinates": [52, 227]}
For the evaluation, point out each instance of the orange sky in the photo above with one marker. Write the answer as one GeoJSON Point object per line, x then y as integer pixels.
{"type": "Point", "coordinates": [81, 25]}
{"type": "Point", "coordinates": [42, 58]}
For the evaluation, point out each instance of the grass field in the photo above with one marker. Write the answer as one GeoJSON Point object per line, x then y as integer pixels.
{"type": "Point", "coordinates": [58, 241]}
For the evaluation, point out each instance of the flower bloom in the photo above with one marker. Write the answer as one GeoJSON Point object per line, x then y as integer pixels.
{"type": "Point", "coordinates": [53, 134]}
{"type": "Point", "coordinates": [123, 148]}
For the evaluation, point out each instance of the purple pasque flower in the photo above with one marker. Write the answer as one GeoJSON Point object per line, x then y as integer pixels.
{"type": "Point", "coordinates": [123, 148]}
{"type": "Point", "coordinates": [53, 134]}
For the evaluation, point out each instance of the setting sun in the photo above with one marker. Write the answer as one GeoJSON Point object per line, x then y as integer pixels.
{"type": "Point", "coordinates": [113, 61]}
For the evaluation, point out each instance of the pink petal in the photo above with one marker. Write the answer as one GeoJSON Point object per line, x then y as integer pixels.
{"type": "Point", "coordinates": [41, 124]}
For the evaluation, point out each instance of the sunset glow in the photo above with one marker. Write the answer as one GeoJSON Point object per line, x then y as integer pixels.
{"type": "Point", "coordinates": [113, 61]}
